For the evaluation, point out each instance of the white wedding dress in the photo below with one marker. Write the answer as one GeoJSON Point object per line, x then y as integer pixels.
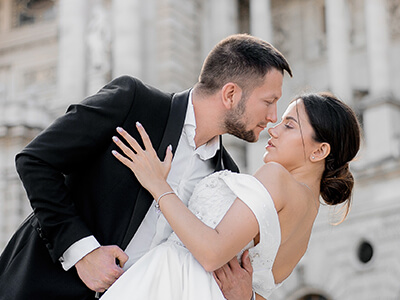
{"type": "Point", "coordinates": [170, 272]}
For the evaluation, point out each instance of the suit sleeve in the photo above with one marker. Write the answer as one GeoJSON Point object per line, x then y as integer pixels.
{"type": "Point", "coordinates": [72, 140]}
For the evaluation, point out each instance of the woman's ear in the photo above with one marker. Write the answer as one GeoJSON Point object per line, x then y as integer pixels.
{"type": "Point", "coordinates": [321, 152]}
{"type": "Point", "coordinates": [231, 93]}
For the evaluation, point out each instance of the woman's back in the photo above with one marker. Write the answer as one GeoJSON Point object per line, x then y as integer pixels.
{"type": "Point", "coordinates": [297, 209]}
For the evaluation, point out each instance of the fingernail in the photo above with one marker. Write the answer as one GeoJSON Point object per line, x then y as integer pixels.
{"type": "Point", "coordinates": [115, 139]}
{"type": "Point", "coordinates": [138, 124]}
{"type": "Point", "coordinates": [114, 152]}
{"type": "Point", "coordinates": [170, 147]}
{"type": "Point", "coordinates": [119, 129]}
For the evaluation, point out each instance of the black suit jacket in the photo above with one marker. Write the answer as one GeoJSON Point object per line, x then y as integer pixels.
{"type": "Point", "coordinates": [77, 188]}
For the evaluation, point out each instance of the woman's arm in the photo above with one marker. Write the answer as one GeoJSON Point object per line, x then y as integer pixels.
{"type": "Point", "coordinates": [211, 247]}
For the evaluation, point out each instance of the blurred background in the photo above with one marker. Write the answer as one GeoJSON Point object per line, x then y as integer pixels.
{"type": "Point", "coordinates": [57, 52]}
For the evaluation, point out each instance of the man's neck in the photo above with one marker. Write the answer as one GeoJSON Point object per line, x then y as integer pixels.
{"type": "Point", "coordinates": [208, 118]}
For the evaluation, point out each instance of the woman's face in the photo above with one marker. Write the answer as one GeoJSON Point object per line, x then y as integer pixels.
{"type": "Point", "coordinates": [291, 142]}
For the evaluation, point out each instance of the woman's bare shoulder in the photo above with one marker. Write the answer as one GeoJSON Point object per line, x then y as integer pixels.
{"type": "Point", "coordinates": [272, 168]}
{"type": "Point", "coordinates": [278, 181]}
{"type": "Point", "coordinates": [283, 187]}
{"type": "Point", "coordinates": [273, 173]}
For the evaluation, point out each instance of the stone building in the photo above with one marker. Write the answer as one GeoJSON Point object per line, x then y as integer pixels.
{"type": "Point", "coordinates": [56, 52]}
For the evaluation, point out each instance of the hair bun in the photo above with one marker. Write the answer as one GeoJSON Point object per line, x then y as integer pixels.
{"type": "Point", "coordinates": [337, 185]}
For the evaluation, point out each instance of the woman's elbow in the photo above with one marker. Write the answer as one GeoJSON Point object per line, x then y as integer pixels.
{"type": "Point", "coordinates": [209, 267]}
{"type": "Point", "coordinates": [211, 262]}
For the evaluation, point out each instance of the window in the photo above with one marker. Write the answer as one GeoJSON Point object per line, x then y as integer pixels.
{"type": "Point", "coordinates": [365, 252]}
{"type": "Point", "coordinates": [27, 12]}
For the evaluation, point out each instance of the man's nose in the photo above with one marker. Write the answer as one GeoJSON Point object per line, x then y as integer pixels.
{"type": "Point", "coordinates": [272, 115]}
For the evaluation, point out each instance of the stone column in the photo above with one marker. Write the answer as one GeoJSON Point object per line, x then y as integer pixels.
{"type": "Point", "coordinates": [72, 52]}
{"type": "Point", "coordinates": [381, 111]}
{"type": "Point", "coordinates": [224, 19]}
{"type": "Point", "coordinates": [338, 48]}
{"type": "Point", "coordinates": [261, 19]}
{"type": "Point", "coordinates": [98, 46]}
{"type": "Point", "coordinates": [177, 45]}
{"type": "Point", "coordinates": [3, 157]}
{"type": "Point", "coordinates": [127, 38]}
{"type": "Point", "coordinates": [378, 47]}
{"type": "Point", "coordinates": [5, 16]}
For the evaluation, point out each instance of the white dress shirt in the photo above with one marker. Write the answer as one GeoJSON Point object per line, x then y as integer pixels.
{"type": "Point", "coordinates": [189, 166]}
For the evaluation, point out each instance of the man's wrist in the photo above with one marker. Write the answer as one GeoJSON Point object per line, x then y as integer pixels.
{"type": "Point", "coordinates": [78, 250]}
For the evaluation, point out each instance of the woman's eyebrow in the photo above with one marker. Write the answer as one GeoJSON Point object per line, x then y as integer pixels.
{"type": "Point", "coordinates": [290, 118]}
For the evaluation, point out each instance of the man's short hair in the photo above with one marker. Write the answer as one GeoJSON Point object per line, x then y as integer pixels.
{"type": "Point", "coordinates": [241, 59]}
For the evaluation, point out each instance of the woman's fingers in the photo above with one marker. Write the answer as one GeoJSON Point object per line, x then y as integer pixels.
{"type": "Point", "coordinates": [168, 156]}
{"type": "Point", "coordinates": [131, 141]}
{"type": "Point", "coordinates": [123, 159]}
{"type": "Point", "coordinates": [145, 138]}
{"type": "Point", "coordinates": [128, 151]}
{"type": "Point", "coordinates": [135, 152]}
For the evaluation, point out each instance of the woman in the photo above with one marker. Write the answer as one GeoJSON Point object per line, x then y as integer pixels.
{"type": "Point", "coordinates": [272, 212]}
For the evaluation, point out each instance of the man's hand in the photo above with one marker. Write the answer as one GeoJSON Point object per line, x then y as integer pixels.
{"type": "Point", "coordinates": [99, 269]}
{"type": "Point", "coordinates": [235, 281]}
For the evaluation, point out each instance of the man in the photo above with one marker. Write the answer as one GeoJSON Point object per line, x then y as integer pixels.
{"type": "Point", "coordinates": [90, 213]}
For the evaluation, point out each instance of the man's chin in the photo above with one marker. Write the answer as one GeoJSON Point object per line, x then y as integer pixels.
{"type": "Point", "coordinates": [247, 136]}
{"type": "Point", "coordinates": [250, 139]}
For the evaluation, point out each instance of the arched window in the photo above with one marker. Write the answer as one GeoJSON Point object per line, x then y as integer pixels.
{"type": "Point", "coordinates": [365, 252]}
{"type": "Point", "coordinates": [313, 297]}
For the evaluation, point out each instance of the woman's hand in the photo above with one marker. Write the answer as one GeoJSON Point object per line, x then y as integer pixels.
{"type": "Point", "coordinates": [144, 163]}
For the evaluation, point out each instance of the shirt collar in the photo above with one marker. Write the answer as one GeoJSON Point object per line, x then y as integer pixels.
{"type": "Point", "coordinates": [209, 149]}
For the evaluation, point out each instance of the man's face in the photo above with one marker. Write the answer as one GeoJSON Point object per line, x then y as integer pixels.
{"type": "Point", "coordinates": [252, 114]}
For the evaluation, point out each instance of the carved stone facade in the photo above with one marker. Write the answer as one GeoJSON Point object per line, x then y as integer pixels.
{"type": "Point", "coordinates": [394, 13]}
{"type": "Point", "coordinates": [56, 52]}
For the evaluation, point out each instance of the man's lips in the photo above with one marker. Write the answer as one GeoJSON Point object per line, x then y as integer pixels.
{"type": "Point", "coordinates": [262, 126]}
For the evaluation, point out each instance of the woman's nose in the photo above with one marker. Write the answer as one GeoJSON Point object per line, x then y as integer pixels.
{"type": "Point", "coordinates": [272, 132]}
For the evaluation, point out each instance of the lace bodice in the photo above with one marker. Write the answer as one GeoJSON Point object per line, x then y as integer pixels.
{"type": "Point", "coordinates": [212, 198]}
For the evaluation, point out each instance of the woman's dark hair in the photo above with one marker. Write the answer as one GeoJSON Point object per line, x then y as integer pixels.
{"type": "Point", "coordinates": [335, 123]}
{"type": "Point", "coordinates": [242, 59]}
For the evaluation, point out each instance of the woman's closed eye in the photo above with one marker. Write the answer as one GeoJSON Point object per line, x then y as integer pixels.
{"type": "Point", "coordinates": [288, 125]}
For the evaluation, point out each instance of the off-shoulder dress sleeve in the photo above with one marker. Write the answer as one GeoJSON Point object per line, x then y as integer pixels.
{"type": "Point", "coordinates": [253, 193]}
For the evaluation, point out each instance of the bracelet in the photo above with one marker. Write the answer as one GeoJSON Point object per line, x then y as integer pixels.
{"type": "Point", "coordinates": [157, 205]}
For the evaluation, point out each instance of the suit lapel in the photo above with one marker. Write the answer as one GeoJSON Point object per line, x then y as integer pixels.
{"type": "Point", "coordinates": [175, 123]}
{"type": "Point", "coordinates": [222, 160]}
{"type": "Point", "coordinates": [171, 136]}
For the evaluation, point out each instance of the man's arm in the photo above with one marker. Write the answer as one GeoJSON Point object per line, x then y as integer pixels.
{"type": "Point", "coordinates": [101, 267]}
{"type": "Point", "coordinates": [234, 280]}
{"type": "Point", "coordinates": [68, 144]}
{"type": "Point", "coordinates": [97, 266]}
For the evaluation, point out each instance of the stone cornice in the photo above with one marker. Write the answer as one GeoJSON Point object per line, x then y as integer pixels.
{"type": "Point", "coordinates": [16, 115]}
{"type": "Point", "coordinates": [28, 37]}
{"type": "Point", "coordinates": [372, 101]}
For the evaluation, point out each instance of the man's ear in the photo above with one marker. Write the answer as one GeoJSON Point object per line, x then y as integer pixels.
{"type": "Point", "coordinates": [321, 152]}
{"type": "Point", "coordinates": [231, 94]}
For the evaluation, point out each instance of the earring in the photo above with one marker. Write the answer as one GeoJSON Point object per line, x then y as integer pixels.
{"type": "Point", "coordinates": [312, 157]}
